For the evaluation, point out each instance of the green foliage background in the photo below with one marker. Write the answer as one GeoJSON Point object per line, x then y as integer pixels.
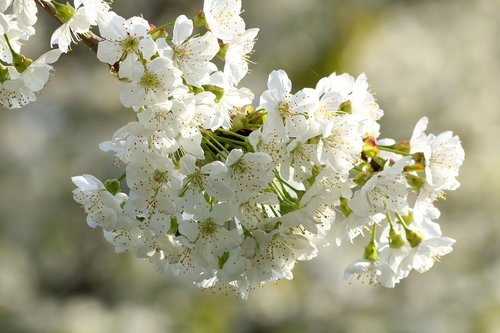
{"type": "Point", "coordinates": [439, 58]}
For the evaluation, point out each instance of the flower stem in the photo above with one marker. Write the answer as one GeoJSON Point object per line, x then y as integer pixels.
{"type": "Point", "coordinates": [392, 150]}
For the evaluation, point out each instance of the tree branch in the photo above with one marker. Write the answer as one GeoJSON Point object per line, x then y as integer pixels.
{"type": "Point", "coordinates": [90, 39]}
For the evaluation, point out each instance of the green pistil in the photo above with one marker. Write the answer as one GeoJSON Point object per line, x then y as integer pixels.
{"type": "Point", "coordinates": [64, 12]}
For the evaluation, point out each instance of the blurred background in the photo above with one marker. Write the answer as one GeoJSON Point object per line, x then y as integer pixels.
{"type": "Point", "coordinates": [439, 58]}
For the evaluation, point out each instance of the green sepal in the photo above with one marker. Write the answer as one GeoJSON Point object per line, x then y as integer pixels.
{"type": "Point", "coordinates": [199, 20]}
{"type": "Point", "coordinates": [344, 207]}
{"type": "Point", "coordinates": [113, 186]}
{"type": "Point", "coordinates": [217, 91]}
{"type": "Point", "coordinates": [174, 226]}
{"type": "Point", "coordinates": [346, 107]}
{"type": "Point", "coordinates": [64, 12]}
{"type": "Point", "coordinates": [395, 239]}
{"type": "Point", "coordinates": [414, 238]}
{"type": "Point", "coordinates": [371, 252]}
{"type": "Point", "coordinates": [361, 178]}
{"type": "Point", "coordinates": [4, 74]}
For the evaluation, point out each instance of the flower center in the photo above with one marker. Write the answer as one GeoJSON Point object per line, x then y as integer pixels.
{"type": "Point", "coordinates": [160, 176]}
{"type": "Point", "coordinates": [150, 81]}
{"type": "Point", "coordinates": [130, 44]}
{"type": "Point", "coordinates": [207, 228]}
{"type": "Point", "coordinates": [284, 109]}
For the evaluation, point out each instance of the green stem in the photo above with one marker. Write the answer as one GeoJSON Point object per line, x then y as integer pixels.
{"type": "Point", "coordinates": [278, 176]}
{"type": "Point", "coordinates": [223, 153]}
{"type": "Point", "coordinates": [231, 141]}
{"type": "Point", "coordinates": [374, 233]}
{"type": "Point", "coordinates": [122, 177]}
{"type": "Point", "coordinates": [402, 221]}
{"type": "Point", "coordinates": [392, 150]}
{"type": "Point", "coordinates": [163, 26]}
{"type": "Point", "coordinates": [236, 135]}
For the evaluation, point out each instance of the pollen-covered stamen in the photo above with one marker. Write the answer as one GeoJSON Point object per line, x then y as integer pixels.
{"type": "Point", "coordinates": [207, 228]}
{"type": "Point", "coordinates": [150, 81]}
{"type": "Point", "coordinates": [284, 109]}
{"type": "Point", "coordinates": [181, 55]}
{"type": "Point", "coordinates": [130, 44]}
{"type": "Point", "coordinates": [161, 177]}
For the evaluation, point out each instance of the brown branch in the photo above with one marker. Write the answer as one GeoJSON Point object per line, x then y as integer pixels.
{"type": "Point", "coordinates": [91, 39]}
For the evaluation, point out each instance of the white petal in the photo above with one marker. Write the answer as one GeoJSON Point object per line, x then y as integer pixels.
{"type": "Point", "coordinates": [183, 28]}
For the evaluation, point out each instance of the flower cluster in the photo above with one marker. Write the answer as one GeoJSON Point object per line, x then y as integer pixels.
{"type": "Point", "coordinates": [227, 194]}
{"type": "Point", "coordinates": [20, 76]}
{"type": "Point", "coordinates": [232, 195]}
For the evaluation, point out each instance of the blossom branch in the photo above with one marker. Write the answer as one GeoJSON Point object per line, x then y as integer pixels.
{"type": "Point", "coordinates": [90, 39]}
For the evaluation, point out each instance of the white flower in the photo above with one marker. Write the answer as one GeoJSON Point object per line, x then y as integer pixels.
{"type": "Point", "coordinates": [191, 55]}
{"type": "Point", "coordinates": [372, 272]}
{"type": "Point", "coordinates": [150, 84]}
{"type": "Point", "coordinates": [249, 173]}
{"type": "Point", "coordinates": [282, 106]}
{"type": "Point", "coordinates": [232, 98]}
{"type": "Point", "coordinates": [16, 33]}
{"type": "Point", "coordinates": [223, 18]}
{"type": "Point", "coordinates": [124, 38]}
{"type": "Point", "coordinates": [101, 206]}
{"type": "Point", "coordinates": [443, 154]}
{"type": "Point", "coordinates": [207, 180]}
{"type": "Point", "coordinates": [236, 66]}
{"type": "Point", "coordinates": [341, 146]}
{"type": "Point", "coordinates": [207, 231]}
{"type": "Point", "coordinates": [154, 184]}
{"type": "Point", "coordinates": [20, 88]}
{"type": "Point", "coordinates": [384, 192]}
{"type": "Point", "coordinates": [25, 11]}
{"type": "Point", "coordinates": [68, 32]}
{"type": "Point", "coordinates": [354, 98]}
